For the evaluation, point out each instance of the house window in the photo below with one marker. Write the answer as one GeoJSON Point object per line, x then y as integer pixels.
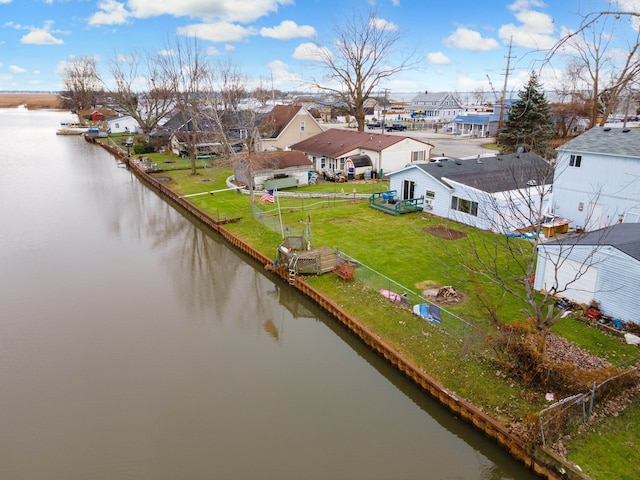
{"type": "Point", "coordinates": [430, 194]}
{"type": "Point", "coordinates": [302, 126]}
{"type": "Point", "coordinates": [575, 160]}
{"type": "Point", "coordinates": [464, 206]}
{"type": "Point", "coordinates": [417, 156]}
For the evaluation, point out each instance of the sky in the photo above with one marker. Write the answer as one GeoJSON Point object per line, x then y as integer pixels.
{"type": "Point", "coordinates": [457, 45]}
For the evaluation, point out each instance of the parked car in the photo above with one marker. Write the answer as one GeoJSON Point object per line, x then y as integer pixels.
{"type": "Point", "coordinates": [374, 125]}
{"type": "Point", "coordinates": [397, 127]}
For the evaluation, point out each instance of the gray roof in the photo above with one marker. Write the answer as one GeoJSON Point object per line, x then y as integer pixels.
{"type": "Point", "coordinates": [493, 174]}
{"type": "Point", "coordinates": [606, 140]}
{"type": "Point", "coordinates": [623, 236]}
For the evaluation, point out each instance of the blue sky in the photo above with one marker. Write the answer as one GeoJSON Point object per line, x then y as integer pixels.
{"type": "Point", "coordinates": [457, 43]}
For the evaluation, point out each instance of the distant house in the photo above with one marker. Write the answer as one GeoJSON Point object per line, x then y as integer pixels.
{"type": "Point", "coordinates": [285, 125]}
{"type": "Point", "coordinates": [482, 125]}
{"type": "Point", "coordinates": [268, 169]}
{"type": "Point", "coordinates": [490, 193]}
{"type": "Point", "coordinates": [436, 106]}
{"type": "Point", "coordinates": [203, 143]}
{"type": "Point", "coordinates": [597, 178]}
{"type": "Point", "coordinates": [602, 266]}
{"type": "Point", "coordinates": [330, 149]}
{"type": "Point", "coordinates": [123, 124]}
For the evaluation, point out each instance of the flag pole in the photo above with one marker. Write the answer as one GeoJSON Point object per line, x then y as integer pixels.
{"type": "Point", "coordinates": [275, 193]}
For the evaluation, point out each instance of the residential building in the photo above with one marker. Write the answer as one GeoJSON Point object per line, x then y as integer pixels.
{"type": "Point", "coordinates": [601, 266]}
{"type": "Point", "coordinates": [285, 125]}
{"type": "Point", "coordinates": [329, 150]}
{"type": "Point", "coordinates": [284, 168]}
{"type": "Point", "coordinates": [597, 178]}
{"type": "Point", "coordinates": [490, 193]}
{"type": "Point", "coordinates": [436, 106]}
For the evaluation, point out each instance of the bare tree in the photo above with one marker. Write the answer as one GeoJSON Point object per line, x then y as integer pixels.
{"type": "Point", "coordinates": [509, 265]}
{"type": "Point", "coordinates": [187, 72]}
{"type": "Point", "coordinates": [82, 83]}
{"type": "Point", "coordinates": [606, 71]}
{"type": "Point", "coordinates": [142, 89]}
{"type": "Point", "coordinates": [362, 58]}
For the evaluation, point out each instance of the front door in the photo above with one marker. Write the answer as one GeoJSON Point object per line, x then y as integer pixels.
{"type": "Point", "coordinates": [408, 188]}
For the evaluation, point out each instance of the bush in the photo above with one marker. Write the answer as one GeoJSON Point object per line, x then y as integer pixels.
{"type": "Point", "coordinates": [142, 148]}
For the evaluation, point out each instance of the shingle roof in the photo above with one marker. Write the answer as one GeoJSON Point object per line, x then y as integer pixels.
{"type": "Point", "coordinates": [623, 236]}
{"type": "Point", "coordinates": [493, 174]}
{"type": "Point", "coordinates": [337, 142]}
{"type": "Point", "coordinates": [278, 119]}
{"type": "Point", "coordinates": [606, 140]}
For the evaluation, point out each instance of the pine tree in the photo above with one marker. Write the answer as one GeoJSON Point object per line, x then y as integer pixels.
{"type": "Point", "coordinates": [529, 124]}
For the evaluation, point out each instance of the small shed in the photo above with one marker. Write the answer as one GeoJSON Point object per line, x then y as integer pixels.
{"type": "Point", "coordinates": [356, 166]}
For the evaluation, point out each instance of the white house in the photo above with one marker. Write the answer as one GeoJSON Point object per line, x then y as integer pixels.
{"type": "Point", "coordinates": [500, 193]}
{"type": "Point", "coordinates": [597, 178]}
{"type": "Point", "coordinates": [124, 124]}
{"type": "Point", "coordinates": [436, 106]}
{"type": "Point", "coordinates": [330, 149]}
{"type": "Point", "coordinates": [602, 266]}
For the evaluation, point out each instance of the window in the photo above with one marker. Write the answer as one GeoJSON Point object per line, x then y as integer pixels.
{"type": "Point", "coordinates": [464, 206]}
{"type": "Point", "coordinates": [417, 156]}
{"type": "Point", "coordinates": [575, 160]}
{"type": "Point", "coordinates": [408, 189]}
{"type": "Point", "coordinates": [302, 125]}
{"type": "Point", "coordinates": [430, 194]}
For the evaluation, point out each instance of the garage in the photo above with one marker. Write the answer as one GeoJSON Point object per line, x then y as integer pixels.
{"type": "Point", "coordinates": [580, 284]}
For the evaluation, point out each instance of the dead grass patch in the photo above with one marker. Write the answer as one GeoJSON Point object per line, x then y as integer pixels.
{"type": "Point", "coordinates": [445, 233]}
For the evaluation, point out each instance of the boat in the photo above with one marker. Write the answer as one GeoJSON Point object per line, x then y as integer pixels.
{"type": "Point", "coordinates": [428, 312]}
{"type": "Point", "coordinates": [72, 131]}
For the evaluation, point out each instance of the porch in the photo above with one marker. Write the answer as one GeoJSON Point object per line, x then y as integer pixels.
{"type": "Point", "coordinates": [389, 202]}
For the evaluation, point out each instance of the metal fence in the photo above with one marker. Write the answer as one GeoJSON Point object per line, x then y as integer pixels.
{"type": "Point", "coordinates": [567, 415]}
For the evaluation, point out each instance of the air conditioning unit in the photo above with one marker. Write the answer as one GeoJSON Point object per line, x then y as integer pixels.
{"type": "Point", "coordinates": [428, 203]}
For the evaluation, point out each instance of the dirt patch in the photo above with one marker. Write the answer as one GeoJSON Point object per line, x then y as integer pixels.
{"type": "Point", "coordinates": [439, 294]}
{"type": "Point", "coordinates": [445, 233]}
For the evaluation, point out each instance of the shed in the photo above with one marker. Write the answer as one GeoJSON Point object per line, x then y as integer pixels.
{"type": "Point", "coordinates": [601, 266]}
{"type": "Point", "coordinates": [357, 165]}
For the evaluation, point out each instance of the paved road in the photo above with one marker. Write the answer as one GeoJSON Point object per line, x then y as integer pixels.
{"type": "Point", "coordinates": [444, 145]}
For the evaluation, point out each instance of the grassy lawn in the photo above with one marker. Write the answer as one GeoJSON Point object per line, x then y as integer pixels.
{"type": "Point", "coordinates": [403, 249]}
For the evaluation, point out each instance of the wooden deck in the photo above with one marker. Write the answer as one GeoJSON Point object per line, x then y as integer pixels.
{"type": "Point", "coordinates": [388, 202]}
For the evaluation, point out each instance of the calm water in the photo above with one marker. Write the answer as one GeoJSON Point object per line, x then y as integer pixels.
{"type": "Point", "coordinates": [135, 346]}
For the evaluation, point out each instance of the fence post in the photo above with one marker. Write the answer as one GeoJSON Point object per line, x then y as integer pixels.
{"type": "Point", "coordinates": [593, 394]}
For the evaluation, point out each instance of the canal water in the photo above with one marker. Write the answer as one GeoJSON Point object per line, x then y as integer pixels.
{"type": "Point", "coordinates": [135, 345]}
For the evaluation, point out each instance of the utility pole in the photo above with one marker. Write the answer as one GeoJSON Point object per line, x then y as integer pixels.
{"type": "Point", "coordinates": [384, 107]}
{"type": "Point", "coordinates": [504, 88]}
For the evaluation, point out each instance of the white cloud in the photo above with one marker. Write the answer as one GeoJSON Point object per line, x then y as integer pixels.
{"type": "Point", "coordinates": [166, 53]}
{"type": "Point", "coordinates": [41, 36]}
{"type": "Point", "coordinates": [536, 29]}
{"type": "Point", "coordinates": [244, 11]}
{"type": "Point", "coordinates": [438, 58]}
{"type": "Point", "coordinates": [16, 69]}
{"type": "Point", "coordinates": [216, 32]}
{"type": "Point", "coordinates": [470, 40]}
{"type": "Point", "coordinates": [310, 51]}
{"type": "Point", "coordinates": [212, 51]}
{"type": "Point", "coordinates": [280, 72]}
{"type": "Point", "coordinates": [288, 30]}
{"type": "Point", "coordinates": [382, 24]}
{"type": "Point", "coordinates": [111, 13]}
{"type": "Point", "coordinates": [229, 48]}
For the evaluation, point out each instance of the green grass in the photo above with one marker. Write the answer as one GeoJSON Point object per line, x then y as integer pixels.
{"type": "Point", "coordinates": [611, 449]}
{"type": "Point", "coordinates": [402, 249]}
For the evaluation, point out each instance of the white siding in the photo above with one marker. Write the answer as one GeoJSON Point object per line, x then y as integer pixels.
{"type": "Point", "coordinates": [615, 287]}
{"type": "Point", "coordinates": [607, 183]}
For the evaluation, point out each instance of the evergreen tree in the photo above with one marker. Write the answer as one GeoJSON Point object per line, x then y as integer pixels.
{"type": "Point", "coordinates": [529, 124]}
